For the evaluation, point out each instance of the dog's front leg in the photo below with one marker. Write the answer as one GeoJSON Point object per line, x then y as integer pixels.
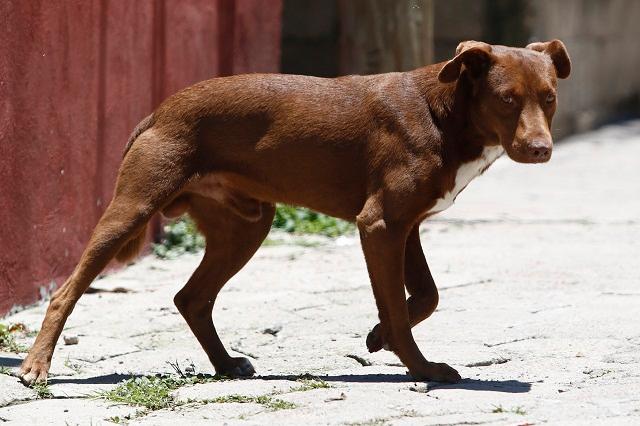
{"type": "Point", "coordinates": [422, 289]}
{"type": "Point", "coordinates": [383, 243]}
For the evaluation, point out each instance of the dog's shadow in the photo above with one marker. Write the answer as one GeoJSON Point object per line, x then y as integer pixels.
{"type": "Point", "coordinates": [508, 386]}
{"type": "Point", "coordinates": [10, 362]}
{"type": "Point", "coordinates": [107, 379]}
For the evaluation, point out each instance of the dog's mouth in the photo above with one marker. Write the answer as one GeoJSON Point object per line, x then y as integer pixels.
{"type": "Point", "coordinates": [530, 152]}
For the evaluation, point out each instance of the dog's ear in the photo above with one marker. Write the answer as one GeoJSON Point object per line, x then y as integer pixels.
{"type": "Point", "coordinates": [476, 57]}
{"type": "Point", "coordinates": [558, 53]}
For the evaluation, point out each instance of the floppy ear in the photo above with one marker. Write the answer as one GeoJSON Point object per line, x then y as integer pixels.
{"type": "Point", "coordinates": [558, 53]}
{"type": "Point", "coordinates": [476, 57]}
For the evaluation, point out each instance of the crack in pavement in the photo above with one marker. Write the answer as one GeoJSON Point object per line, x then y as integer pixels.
{"type": "Point", "coordinates": [104, 358]}
{"type": "Point", "coordinates": [491, 345]}
{"type": "Point", "coordinates": [552, 308]}
{"type": "Point", "coordinates": [362, 361]}
{"type": "Point", "coordinates": [244, 352]}
{"type": "Point", "coordinates": [484, 281]}
{"type": "Point", "coordinates": [24, 401]}
{"type": "Point", "coordinates": [486, 363]}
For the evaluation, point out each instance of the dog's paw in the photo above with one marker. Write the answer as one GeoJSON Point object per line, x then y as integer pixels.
{"type": "Point", "coordinates": [436, 372]}
{"type": "Point", "coordinates": [375, 341]}
{"type": "Point", "coordinates": [240, 367]}
{"type": "Point", "coordinates": [33, 371]}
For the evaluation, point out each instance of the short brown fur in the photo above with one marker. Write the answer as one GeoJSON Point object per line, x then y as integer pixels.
{"type": "Point", "coordinates": [378, 150]}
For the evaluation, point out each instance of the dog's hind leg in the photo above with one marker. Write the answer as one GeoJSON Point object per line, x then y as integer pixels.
{"type": "Point", "coordinates": [231, 241]}
{"type": "Point", "coordinates": [145, 182]}
{"type": "Point", "coordinates": [422, 289]}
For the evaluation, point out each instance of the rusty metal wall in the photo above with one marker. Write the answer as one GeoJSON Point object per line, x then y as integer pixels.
{"type": "Point", "coordinates": [75, 78]}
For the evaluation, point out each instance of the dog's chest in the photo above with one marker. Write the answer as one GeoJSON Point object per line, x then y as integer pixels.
{"type": "Point", "coordinates": [465, 174]}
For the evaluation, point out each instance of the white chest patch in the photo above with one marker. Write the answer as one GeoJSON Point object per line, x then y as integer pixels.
{"type": "Point", "coordinates": [466, 172]}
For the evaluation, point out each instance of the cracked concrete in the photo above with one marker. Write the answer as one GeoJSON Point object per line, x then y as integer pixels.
{"type": "Point", "coordinates": [539, 311]}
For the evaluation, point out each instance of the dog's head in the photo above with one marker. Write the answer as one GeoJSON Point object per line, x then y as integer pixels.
{"type": "Point", "coordinates": [513, 93]}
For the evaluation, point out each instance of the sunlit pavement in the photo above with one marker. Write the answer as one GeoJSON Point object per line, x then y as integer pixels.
{"type": "Point", "coordinates": [539, 311]}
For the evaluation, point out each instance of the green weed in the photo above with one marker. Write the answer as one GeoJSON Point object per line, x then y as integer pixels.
{"type": "Point", "coordinates": [7, 338]}
{"type": "Point", "coordinates": [516, 410]}
{"type": "Point", "coordinates": [304, 221]}
{"type": "Point", "coordinates": [180, 237]}
{"type": "Point", "coordinates": [72, 366]}
{"type": "Point", "coordinates": [373, 422]}
{"type": "Point", "coordinates": [152, 392]}
{"type": "Point", "coordinates": [125, 419]}
{"type": "Point", "coordinates": [264, 400]}
{"type": "Point", "coordinates": [310, 384]}
{"type": "Point", "coordinates": [42, 390]}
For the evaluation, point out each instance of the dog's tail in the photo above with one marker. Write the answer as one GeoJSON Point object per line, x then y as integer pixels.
{"type": "Point", "coordinates": [132, 247]}
{"type": "Point", "coordinates": [145, 124]}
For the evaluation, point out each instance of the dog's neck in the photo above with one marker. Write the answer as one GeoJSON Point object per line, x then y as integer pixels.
{"type": "Point", "coordinates": [464, 149]}
{"type": "Point", "coordinates": [449, 107]}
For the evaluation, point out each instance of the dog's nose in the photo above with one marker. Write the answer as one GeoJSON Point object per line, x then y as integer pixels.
{"type": "Point", "coordinates": [539, 151]}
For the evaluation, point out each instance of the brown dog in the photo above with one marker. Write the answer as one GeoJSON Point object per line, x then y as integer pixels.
{"type": "Point", "coordinates": [385, 151]}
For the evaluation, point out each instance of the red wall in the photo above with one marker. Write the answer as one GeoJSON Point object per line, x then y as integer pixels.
{"type": "Point", "coordinates": [75, 78]}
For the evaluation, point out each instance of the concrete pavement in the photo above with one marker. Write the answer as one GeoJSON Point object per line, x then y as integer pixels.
{"type": "Point", "coordinates": [539, 311]}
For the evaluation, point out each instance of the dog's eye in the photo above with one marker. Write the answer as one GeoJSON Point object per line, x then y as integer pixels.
{"type": "Point", "coordinates": [507, 99]}
{"type": "Point", "coordinates": [551, 98]}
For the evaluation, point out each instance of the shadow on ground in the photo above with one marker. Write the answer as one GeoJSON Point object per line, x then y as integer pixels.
{"type": "Point", "coordinates": [508, 386]}
{"type": "Point", "coordinates": [10, 362]}
{"type": "Point", "coordinates": [108, 379]}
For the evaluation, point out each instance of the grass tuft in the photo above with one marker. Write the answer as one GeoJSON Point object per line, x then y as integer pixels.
{"type": "Point", "coordinates": [305, 221]}
{"type": "Point", "coordinates": [7, 338]}
{"type": "Point", "coordinates": [373, 422]}
{"type": "Point", "coordinates": [267, 401]}
{"type": "Point", "coordinates": [77, 368]}
{"type": "Point", "coordinates": [310, 384]}
{"type": "Point", "coordinates": [42, 390]}
{"type": "Point", "coordinates": [153, 392]}
{"type": "Point", "coordinates": [182, 236]}
{"type": "Point", "coordinates": [516, 410]}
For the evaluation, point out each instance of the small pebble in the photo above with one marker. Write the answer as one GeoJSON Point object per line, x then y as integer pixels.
{"type": "Point", "coordinates": [70, 340]}
{"type": "Point", "coordinates": [273, 330]}
{"type": "Point", "coordinates": [342, 397]}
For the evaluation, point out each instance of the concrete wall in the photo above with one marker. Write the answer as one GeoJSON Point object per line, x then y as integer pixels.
{"type": "Point", "coordinates": [601, 36]}
{"type": "Point", "coordinates": [310, 37]}
{"type": "Point", "coordinates": [75, 78]}
{"type": "Point", "coordinates": [336, 37]}
{"type": "Point", "coordinates": [379, 36]}
{"type": "Point", "coordinates": [331, 37]}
